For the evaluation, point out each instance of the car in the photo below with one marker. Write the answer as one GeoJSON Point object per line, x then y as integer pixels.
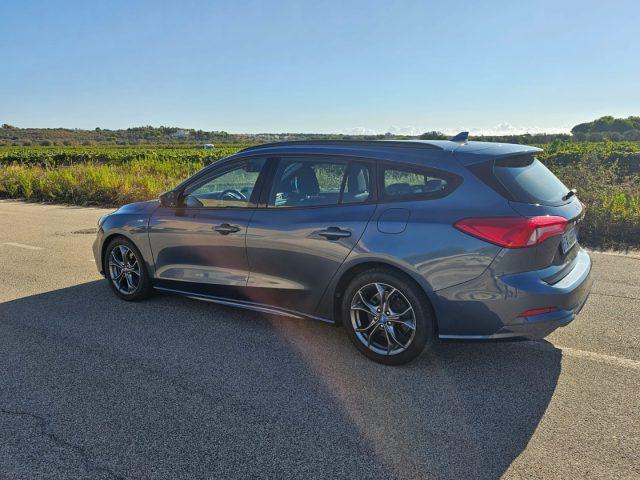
{"type": "Point", "coordinates": [400, 242]}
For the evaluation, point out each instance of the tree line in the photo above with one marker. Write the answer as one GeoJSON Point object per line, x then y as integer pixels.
{"type": "Point", "coordinates": [604, 128]}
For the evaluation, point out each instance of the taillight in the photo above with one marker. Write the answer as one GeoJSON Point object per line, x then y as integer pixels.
{"type": "Point", "coordinates": [513, 232]}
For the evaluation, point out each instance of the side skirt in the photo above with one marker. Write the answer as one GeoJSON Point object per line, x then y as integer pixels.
{"type": "Point", "coordinates": [257, 307]}
{"type": "Point", "coordinates": [495, 336]}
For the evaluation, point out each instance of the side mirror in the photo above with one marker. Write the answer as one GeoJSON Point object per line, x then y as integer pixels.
{"type": "Point", "coordinates": [169, 199]}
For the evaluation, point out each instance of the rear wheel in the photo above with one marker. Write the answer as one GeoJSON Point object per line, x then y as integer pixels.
{"type": "Point", "coordinates": [387, 317]}
{"type": "Point", "coordinates": [125, 270]}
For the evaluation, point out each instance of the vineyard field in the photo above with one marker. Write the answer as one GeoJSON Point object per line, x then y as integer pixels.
{"type": "Point", "coordinates": [606, 175]}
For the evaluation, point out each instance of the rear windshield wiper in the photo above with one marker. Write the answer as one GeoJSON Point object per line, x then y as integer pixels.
{"type": "Point", "coordinates": [569, 194]}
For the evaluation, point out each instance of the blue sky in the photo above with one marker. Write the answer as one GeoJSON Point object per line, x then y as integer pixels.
{"type": "Point", "coordinates": [318, 66]}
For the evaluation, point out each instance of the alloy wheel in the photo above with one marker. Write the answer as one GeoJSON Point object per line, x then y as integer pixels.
{"type": "Point", "coordinates": [383, 319]}
{"type": "Point", "coordinates": [124, 269]}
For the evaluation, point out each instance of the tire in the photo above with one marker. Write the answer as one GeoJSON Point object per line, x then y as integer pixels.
{"type": "Point", "coordinates": [386, 336]}
{"type": "Point", "coordinates": [126, 288]}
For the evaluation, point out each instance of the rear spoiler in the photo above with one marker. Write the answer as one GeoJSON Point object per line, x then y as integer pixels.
{"type": "Point", "coordinates": [474, 152]}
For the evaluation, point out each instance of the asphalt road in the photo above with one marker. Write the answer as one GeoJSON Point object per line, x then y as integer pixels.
{"type": "Point", "coordinates": [94, 387]}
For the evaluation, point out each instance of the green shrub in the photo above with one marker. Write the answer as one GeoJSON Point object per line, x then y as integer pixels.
{"type": "Point", "coordinates": [612, 199]}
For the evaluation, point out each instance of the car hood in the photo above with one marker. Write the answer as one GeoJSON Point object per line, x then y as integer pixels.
{"type": "Point", "coordinates": [139, 207]}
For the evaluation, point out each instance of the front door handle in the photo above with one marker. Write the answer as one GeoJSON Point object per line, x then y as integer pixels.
{"type": "Point", "coordinates": [333, 233]}
{"type": "Point", "coordinates": [226, 229]}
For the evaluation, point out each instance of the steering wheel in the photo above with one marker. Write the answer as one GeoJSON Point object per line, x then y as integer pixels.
{"type": "Point", "coordinates": [233, 194]}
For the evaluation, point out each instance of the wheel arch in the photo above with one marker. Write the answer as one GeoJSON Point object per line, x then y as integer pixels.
{"type": "Point", "coordinates": [107, 240]}
{"type": "Point", "coordinates": [349, 273]}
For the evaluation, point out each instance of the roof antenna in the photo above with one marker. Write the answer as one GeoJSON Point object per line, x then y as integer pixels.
{"type": "Point", "coordinates": [462, 137]}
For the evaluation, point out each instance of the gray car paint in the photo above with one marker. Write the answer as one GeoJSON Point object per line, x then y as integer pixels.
{"type": "Point", "coordinates": [130, 221]}
{"type": "Point", "coordinates": [186, 247]}
{"type": "Point", "coordinates": [476, 289]}
{"type": "Point", "coordinates": [489, 306]}
{"type": "Point", "coordinates": [291, 264]}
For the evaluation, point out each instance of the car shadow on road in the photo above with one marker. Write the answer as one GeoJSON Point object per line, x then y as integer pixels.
{"type": "Point", "coordinates": [193, 389]}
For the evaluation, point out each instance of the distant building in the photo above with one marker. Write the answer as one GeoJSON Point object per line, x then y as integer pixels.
{"type": "Point", "coordinates": [208, 146]}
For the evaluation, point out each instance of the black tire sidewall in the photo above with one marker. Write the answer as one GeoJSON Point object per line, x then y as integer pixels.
{"type": "Point", "coordinates": [144, 287]}
{"type": "Point", "coordinates": [424, 316]}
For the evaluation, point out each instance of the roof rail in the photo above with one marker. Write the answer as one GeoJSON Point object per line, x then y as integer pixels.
{"type": "Point", "coordinates": [370, 143]}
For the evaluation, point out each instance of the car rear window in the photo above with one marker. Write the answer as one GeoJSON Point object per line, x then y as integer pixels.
{"type": "Point", "coordinates": [529, 181]}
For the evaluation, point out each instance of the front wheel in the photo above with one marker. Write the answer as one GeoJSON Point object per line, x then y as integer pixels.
{"type": "Point", "coordinates": [387, 317]}
{"type": "Point", "coordinates": [125, 270]}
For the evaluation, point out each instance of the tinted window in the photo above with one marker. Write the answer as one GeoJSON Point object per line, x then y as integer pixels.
{"type": "Point", "coordinates": [231, 188]}
{"type": "Point", "coordinates": [529, 181]}
{"type": "Point", "coordinates": [357, 186]}
{"type": "Point", "coordinates": [310, 182]}
{"type": "Point", "coordinates": [407, 182]}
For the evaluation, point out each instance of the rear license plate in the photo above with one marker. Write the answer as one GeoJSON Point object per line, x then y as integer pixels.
{"type": "Point", "coordinates": [569, 239]}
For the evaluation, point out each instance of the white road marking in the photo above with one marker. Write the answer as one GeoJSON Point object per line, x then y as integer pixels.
{"type": "Point", "coordinates": [22, 245]}
{"type": "Point", "coordinates": [596, 357]}
{"type": "Point", "coordinates": [633, 255]}
{"type": "Point", "coordinates": [601, 358]}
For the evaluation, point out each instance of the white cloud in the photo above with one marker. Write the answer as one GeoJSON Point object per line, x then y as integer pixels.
{"type": "Point", "coordinates": [503, 128]}
{"type": "Point", "coordinates": [394, 129]}
{"type": "Point", "coordinates": [506, 128]}
{"type": "Point", "coordinates": [360, 131]}
{"type": "Point", "coordinates": [406, 130]}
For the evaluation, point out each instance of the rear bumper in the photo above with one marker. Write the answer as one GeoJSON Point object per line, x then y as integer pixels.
{"type": "Point", "coordinates": [489, 307]}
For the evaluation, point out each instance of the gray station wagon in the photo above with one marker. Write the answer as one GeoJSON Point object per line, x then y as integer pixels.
{"type": "Point", "coordinates": [401, 242]}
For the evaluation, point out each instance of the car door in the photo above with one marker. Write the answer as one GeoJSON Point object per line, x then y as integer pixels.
{"type": "Point", "coordinates": [317, 208]}
{"type": "Point", "coordinates": [199, 246]}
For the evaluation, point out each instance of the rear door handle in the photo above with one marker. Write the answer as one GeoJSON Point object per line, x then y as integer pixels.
{"type": "Point", "coordinates": [333, 233]}
{"type": "Point", "coordinates": [226, 229]}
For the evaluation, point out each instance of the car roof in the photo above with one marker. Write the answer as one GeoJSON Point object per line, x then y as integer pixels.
{"type": "Point", "coordinates": [413, 151]}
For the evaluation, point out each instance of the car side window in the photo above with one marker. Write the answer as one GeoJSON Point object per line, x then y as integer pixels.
{"type": "Point", "coordinates": [357, 185]}
{"type": "Point", "coordinates": [230, 188]}
{"type": "Point", "coordinates": [407, 182]}
{"type": "Point", "coordinates": [309, 182]}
